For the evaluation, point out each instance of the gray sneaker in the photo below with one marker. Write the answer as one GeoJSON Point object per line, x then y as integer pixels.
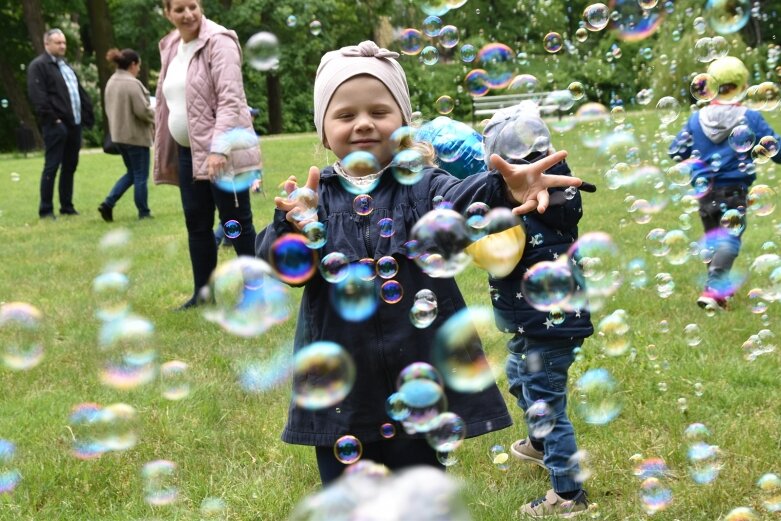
{"type": "Point", "coordinates": [523, 449]}
{"type": "Point", "coordinates": [553, 505]}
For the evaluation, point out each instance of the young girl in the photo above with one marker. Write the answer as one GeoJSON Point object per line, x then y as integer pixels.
{"type": "Point", "coordinates": [360, 99]}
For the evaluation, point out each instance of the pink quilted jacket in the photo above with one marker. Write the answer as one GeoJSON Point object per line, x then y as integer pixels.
{"type": "Point", "coordinates": [215, 104]}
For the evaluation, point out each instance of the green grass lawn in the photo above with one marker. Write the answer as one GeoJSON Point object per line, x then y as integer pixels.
{"type": "Point", "coordinates": [225, 441]}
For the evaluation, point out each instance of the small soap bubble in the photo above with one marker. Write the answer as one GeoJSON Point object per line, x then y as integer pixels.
{"type": "Point", "coordinates": [333, 267]}
{"type": "Point", "coordinates": [396, 407]}
{"type": "Point", "coordinates": [691, 333]}
{"type": "Point", "coordinates": [458, 354]}
{"type": "Point", "coordinates": [444, 105]}
{"type": "Point", "coordinates": [355, 296]}
{"type": "Point", "coordinates": [159, 478]}
{"type": "Point", "coordinates": [305, 200]}
{"type": "Point", "coordinates": [613, 331]}
{"type": "Point", "coordinates": [704, 462]}
{"type": "Point", "coordinates": [232, 229]}
{"type": "Point", "coordinates": [447, 433]}
{"type": "Point", "coordinates": [323, 375]}
{"type": "Point", "coordinates": [291, 20]}
{"type": "Point", "coordinates": [9, 474]}
{"type": "Point", "coordinates": [407, 166]}
{"type": "Point", "coordinates": [448, 36]}
{"type": "Point", "coordinates": [294, 262]}
{"type": "Point", "coordinates": [363, 204]}
{"type": "Point", "coordinates": [391, 292]}
{"type": "Point", "coordinates": [468, 53]}
{"type": "Point", "coordinates": [213, 507]}
{"type": "Point", "coordinates": [175, 380]}
{"type": "Point", "coordinates": [704, 87]}
{"type": "Point", "coordinates": [262, 51]}
{"type": "Point", "coordinates": [387, 267]}
{"type": "Point", "coordinates": [668, 109]}
{"type": "Point", "coordinates": [348, 449]}
{"type": "Point", "coordinates": [410, 42]}
{"type": "Point", "coordinates": [21, 335]}
{"type": "Point", "coordinates": [597, 399]}
{"type": "Point", "coordinates": [540, 419]}
{"type": "Point", "coordinates": [129, 357]}
{"type": "Point", "coordinates": [387, 430]}
{"type": "Point", "coordinates": [761, 200]}
{"type": "Point", "coordinates": [696, 432]}
{"type": "Point", "coordinates": [741, 514]}
{"type": "Point", "coordinates": [315, 27]}
{"type": "Point", "coordinates": [432, 25]}
{"type": "Point", "coordinates": [315, 233]}
{"type": "Point", "coordinates": [596, 16]}
{"type": "Point", "coordinates": [499, 457]}
{"type": "Point", "coordinates": [655, 495]}
{"type": "Point", "coordinates": [429, 55]}
{"type": "Point", "coordinates": [770, 487]}
{"type": "Point", "coordinates": [447, 459]}
{"type": "Point", "coordinates": [698, 389]}
{"type": "Point", "coordinates": [552, 42]}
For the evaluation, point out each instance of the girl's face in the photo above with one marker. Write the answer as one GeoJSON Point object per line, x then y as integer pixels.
{"type": "Point", "coordinates": [362, 115]}
{"type": "Point", "coordinates": [186, 16]}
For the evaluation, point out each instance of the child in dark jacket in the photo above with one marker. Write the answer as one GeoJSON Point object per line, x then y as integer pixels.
{"type": "Point", "coordinates": [543, 343]}
{"type": "Point", "coordinates": [716, 144]}
{"type": "Point", "coordinates": [361, 98]}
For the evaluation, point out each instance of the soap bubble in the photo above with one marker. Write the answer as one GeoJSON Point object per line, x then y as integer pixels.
{"type": "Point", "coordinates": [498, 62]}
{"type": "Point", "coordinates": [21, 335]}
{"type": "Point", "coordinates": [548, 284]}
{"type": "Point", "coordinates": [9, 474]}
{"type": "Point", "coordinates": [213, 507]}
{"type": "Point", "coordinates": [410, 42]}
{"type": "Point", "coordinates": [447, 433]}
{"type": "Point", "coordinates": [262, 51]}
{"type": "Point", "coordinates": [613, 331]}
{"type": "Point", "coordinates": [432, 25]}
{"type": "Point", "coordinates": [174, 380]}
{"type": "Point", "coordinates": [247, 298]}
{"type": "Point", "coordinates": [355, 296]}
{"type": "Point", "coordinates": [598, 258]}
{"type": "Point", "coordinates": [704, 462]}
{"type": "Point", "coordinates": [741, 514]}
{"type": "Point", "coordinates": [425, 399]}
{"type": "Point", "coordinates": [323, 375]}
{"type": "Point", "coordinates": [668, 109]}
{"type": "Point", "coordinates": [597, 399]}
{"type": "Point", "coordinates": [596, 16]}
{"type": "Point", "coordinates": [128, 350]}
{"type": "Point", "coordinates": [444, 104]}
{"type": "Point", "coordinates": [476, 82]}
{"type": "Point", "coordinates": [770, 486]}
{"type": "Point", "coordinates": [540, 419]}
{"type": "Point", "coordinates": [333, 267]}
{"type": "Point", "coordinates": [742, 139]}
{"type": "Point", "coordinates": [293, 260]}
{"type": "Point", "coordinates": [442, 237]}
{"type": "Point", "coordinates": [499, 457]}
{"type": "Point", "coordinates": [468, 53]}
{"type": "Point", "coordinates": [761, 200]}
{"type": "Point", "coordinates": [305, 200]}
{"type": "Point", "coordinates": [704, 87]}
{"type": "Point", "coordinates": [458, 353]}
{"type": "Point", "coordinates": [110, 290]}
{"type": "Point", "coordinates": [359, 163]}
{"type": "Point", "coordinates": [316, 235]}
{"type": "Point", "coordinates": [727, 16]}
{"type": "Point", "coordinates": [552, 42]}
{"type": "Point", "coordinates": [655, 495]}
{"type": "Point", "coordinates": [85, 428]}
{"type": "Point", "coordinates": [315, 27]}
{"type": "Point", "coordinates": [159, 479]}
{"type": "Point", "coordinates": [448, 36]}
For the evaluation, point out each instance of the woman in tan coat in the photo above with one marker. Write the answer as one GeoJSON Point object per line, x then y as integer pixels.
{"type": "Point", "coordinates": [130, 120]}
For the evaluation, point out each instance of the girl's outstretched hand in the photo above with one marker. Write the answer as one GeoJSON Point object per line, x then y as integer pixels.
{"type": "Point", "coordinates": [294, 209]}
{"type": "Point", "coordinates": [528, 185]}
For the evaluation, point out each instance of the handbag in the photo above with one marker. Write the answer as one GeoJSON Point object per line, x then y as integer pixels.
{"type": "Point", "coordinates": [108, 145]}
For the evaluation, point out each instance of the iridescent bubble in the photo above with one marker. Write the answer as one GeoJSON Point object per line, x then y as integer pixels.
{"type": "Point", "coordinates": [432, 25]}
{"type": "Point", "coordinates": [665, 284]}
{"type": "Point", "coordinates": [727, 16]}
{"type": "Point", "coordinates": [677, 245]}
{"type": "Point", "coordinates": [692, 335]}
{"type": "Point", "coordinates": [552, 42]}
{"type": "Point", "coordinates": [447, 432]}
{"type": "Point", "coordinates": [262, 51]}
{"type": "Point", "coordinates": [613, 331]}
{"type": "Point", "coordinates": [741, 514]}
{"type": "Point", "coordinates": [159, 479]}
{"type": "Point", "coordinates": [770, 487]}
{"type": "Point", "coordinates": [631, 22]}
{"type": "Point", "coordinates": [581, 34]}
{"type": "Point", "coordinates": [333, 267]}
{"type": "Point", "coordinates": [523, 83]}
{"type": "Point", "coordinates": [540, 419]}
{"type": "Point", "coordinates": [359, 164]}
{"type": "Point", "coordinates": [175, 380]}
{"type": "Point", "coordinates": [548, 284]}
{"type": "Point", "coordinates": [315, 27]}
{"type": "Point", "coordinates": [704, 462]}
{"type": "Point", "coordinates": [85, 429]}
{"type": "Point", "coordinates": [291, 20]}
{"type": "Point", "coordinates": [769, 143]}
{"type": "Point", "coordinates": [444, 104]}
{"type": "Point", "coordinates": [668, 109]}
{"type": "Point", "coordinates": [499, 457]}
{"type": "Point", "coordinates": [598, 258]}
{"type": "Point", "coordinates": [213, 507]}
{"type": "Point", "coordinates": [118, 427]}
{"type": "Point", "coordinates": [391, 292]}
{"type": "Point", "coordinates": [733, 221]}
{"type": "Point", "coordinates": [742, 139]}
{"type": "Point", "coordinates": [448, 37]}
{"type": "Point", "coordinates": [760, 155]}
{"type": "Point", "coordinates": [232, 229]}
{"type": "Point", "coordinates": [468, 53]}
{"type": "Point", "coordinates": [592, 119]}
{"type": "Point", "coordinates": [655, 495]}
{"type": "Point", "coordinates": [387, 430]}
{"type": "Point", "coordinates": [129, 354]}
{"type": "Point", "coordinates": [618, 114]}
{"type": "Point", "coordinates": [396, 407]}
{"type": "Point", "coordinates": [386, 227]}
{"type": "Point", "coordinates": [442, 237]}
{"type": "Point", "coordinates": [4, 102]}
{"type": "Point", "coordinates": [355, 296]}
{"type": "Point", "coordinates": [596, 17]}
{"type": "Point", "coordinates": [426, 401]}
{"type": "Point", "coordinates": [387, 267]}
{"type": "Point", "coordinates": [371, 269]}
{"type": "Point", "coordinates": [323, 375]}
{"type": "Point", "coordinates": [679, 174]}
{"type": "Point", "coordinates": [424, 310]}
{"type": "Point", "coordinates": [429, 55]}
{"type": "Point", "coordinates": [577, 90]}
{"type": "Point", "coordinates": [703, 50]}
{"type": "Point", "coordinates": [410, 42]}
{"type": "Point", "coordinates": [761, 200]}
{"type": "Point", "coordinates": [293, 260]}
{"type": "Point", "coordinates": [458, 353]}
{"type": "Point", "coordinates": [498, 62]}
{"type": "Point", "coordinates": [110, 290]}
{"type": "Point", "coordinates": [305, 200]}
{"type": "Point", "coordinates": [315, 233]}
{"type": "Point", "coordinates": [447, 459]}
{"type": "Point", "coordinates": [597, 398]}
{"type": "Point", "coordinates": [407, 166]}
{"type": "Point", "coordinates": [21, 335]}
{"type": "Point", "coordinates": [9, 474]}
{"type": "Point", "coordinates": [704, 87]}
{"type": "Point", "coordinates": [476, 82]}
{"type": "Point", "coordinates": [247, 299]}
{"type": "Point", "coordinates": [363, 204]}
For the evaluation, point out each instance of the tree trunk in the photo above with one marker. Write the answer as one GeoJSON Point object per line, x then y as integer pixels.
{"type": "Point", "coordinates": [33, 19]}
{"type": "Point", "coordinates": [274, 95]}
{"type": "Point", "coordinates": [102, 38]}
{"type": "Point", "coordinates": [17, 99]}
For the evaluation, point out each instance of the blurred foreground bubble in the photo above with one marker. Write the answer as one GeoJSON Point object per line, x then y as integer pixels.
{"type": "Point", "coordinates": [21, 335]}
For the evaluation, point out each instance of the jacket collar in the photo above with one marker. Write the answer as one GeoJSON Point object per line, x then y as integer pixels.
{"type": "Point", "coordinates": [208, 30]}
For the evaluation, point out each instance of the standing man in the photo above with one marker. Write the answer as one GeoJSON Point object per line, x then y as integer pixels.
{"type": "Point", "coordinates": [62, 107]}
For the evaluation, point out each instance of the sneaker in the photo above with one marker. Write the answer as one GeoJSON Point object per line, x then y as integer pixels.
{"type": "Point", "coordinates": [711, 301]}
{"type": "Point", "coordinates": [523, 449]}
{"type": "Point", "coordinates": [106, 212]}
{"type": "Point", "coordinates": [555, 505]}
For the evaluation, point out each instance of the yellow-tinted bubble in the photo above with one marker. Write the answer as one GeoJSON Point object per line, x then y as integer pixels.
{"type": "Point", "coordinates": [741, 514]}
{"type": "Point", "coordinates": [761, 200]}
{"type": "Point", "coordinates": [581, 34]}
{"type": "Point", "coordinates": [577, 90]}
{"type": "Point", "coordinates": [613, 331]}
{"type": "Point", "coordinates": [444, 104]}
{"type": "Point", "coordinates": [770, 486]}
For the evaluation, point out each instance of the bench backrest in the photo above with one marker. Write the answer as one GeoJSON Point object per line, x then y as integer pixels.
{"type": "Point", "coordinates": [487, 106]}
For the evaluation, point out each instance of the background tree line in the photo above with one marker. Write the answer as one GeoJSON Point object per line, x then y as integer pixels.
{"type": "Point", "coordinates": [609, 68]}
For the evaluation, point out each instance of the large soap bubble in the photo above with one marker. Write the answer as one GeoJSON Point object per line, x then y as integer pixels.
{"type": "Point", "coordinates": [442, 237]}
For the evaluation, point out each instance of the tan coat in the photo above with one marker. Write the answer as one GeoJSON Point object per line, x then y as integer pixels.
{"type": "Point", "coordinates": [216, 104]}
{"type": "Point", "coordinates": [130, 117]}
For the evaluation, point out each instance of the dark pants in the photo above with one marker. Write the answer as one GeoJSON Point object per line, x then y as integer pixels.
{"type": "Point", "coordinates": [136, 161]}
{"type": "Point", "coordinates": [199, 200]}
{"type": "Point", "coordinates": [726, 246]}
{"type": "Point", "coordinates": [62, 144]}
{"type": "Point", "coordinates": [395, 454]}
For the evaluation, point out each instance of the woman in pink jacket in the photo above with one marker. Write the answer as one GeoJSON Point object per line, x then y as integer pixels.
{"type": "Point", "coordinates": [204, 139]}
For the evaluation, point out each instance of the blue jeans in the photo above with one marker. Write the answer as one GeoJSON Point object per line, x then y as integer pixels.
{"type": "Point", "coordinates": [62, 144]}
{"type": "Point", "coordinates": [537, 370]}
{"type": "Point", "coordinates": [136, 161]}
{"type": "Point", "coordinates": [726, 246]}
{"type": "Point", "coordinates": [199, 200]}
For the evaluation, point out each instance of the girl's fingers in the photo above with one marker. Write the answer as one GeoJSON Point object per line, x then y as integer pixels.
{"type": "Point", "coordinates": [526, 207]}
{"type": "Point", "coordinates": [543, 199]}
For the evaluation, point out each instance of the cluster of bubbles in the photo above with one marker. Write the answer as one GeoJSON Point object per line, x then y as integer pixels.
{"type": "Point", "coordinates": [705, 460]}
{"type": "Point", "coordinates": [654, 475]}
{"type": "Point", "coordinates": [761, 343]}
{"type": "Point", "coordinates": [10, 477]}
{"type": "Point", "coordinates": [96, 430]}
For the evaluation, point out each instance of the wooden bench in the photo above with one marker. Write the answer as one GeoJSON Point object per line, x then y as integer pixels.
{"type": "Point", "coordinates": [486, 106]}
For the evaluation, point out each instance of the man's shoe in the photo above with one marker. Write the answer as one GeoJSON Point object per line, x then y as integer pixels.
{"type": "Point", "coordinates": [69, 211]}
{"type": "Point", "coordinates": [146, 216]}
{"type": "Point", "coordinates": [553, 505]}
{"type": "Point", "coordinates": [106, 212]}
{"type": "Point", "coordinates": [49, 216]}
{"type": "Point", "coordinates": [523, 449]}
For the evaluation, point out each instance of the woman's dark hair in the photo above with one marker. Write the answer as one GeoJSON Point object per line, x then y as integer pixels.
{"type": "Point", "coordinates": [124, 58]}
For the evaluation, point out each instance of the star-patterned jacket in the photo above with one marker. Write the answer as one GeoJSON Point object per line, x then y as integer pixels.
{"type": "Point", "coordinates": [549, 235]}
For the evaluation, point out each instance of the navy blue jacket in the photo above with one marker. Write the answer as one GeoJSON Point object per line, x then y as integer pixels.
{"type": "Point", "coordinates": [548, 236]}
{"type": "Point", "coordinates": [387, 342]}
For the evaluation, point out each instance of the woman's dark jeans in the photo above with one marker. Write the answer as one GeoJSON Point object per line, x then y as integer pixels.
{"type": "Point", "coordinates": [199, 200]}
{"type": "Point", "coordinates": [136, 161]}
